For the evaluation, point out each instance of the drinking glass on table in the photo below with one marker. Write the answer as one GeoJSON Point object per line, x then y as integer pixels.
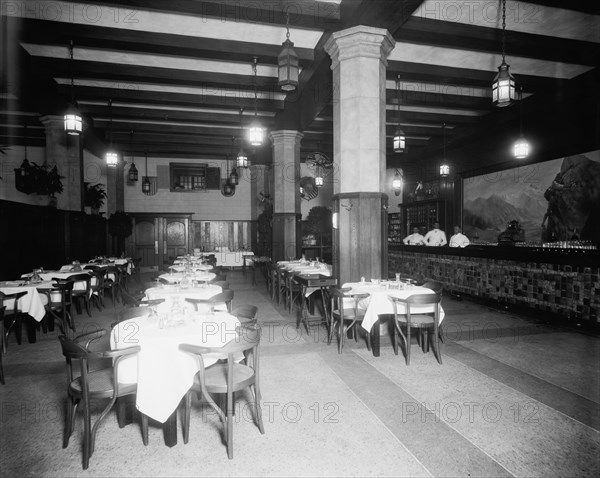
{"type": "Point", "coordinates": [397, 277]}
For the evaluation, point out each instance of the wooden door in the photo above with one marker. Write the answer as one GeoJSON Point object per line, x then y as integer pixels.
{"type": "Point", "coordinates": [146, 241]}
{"type": "Point", "coordinates": [175, 237]}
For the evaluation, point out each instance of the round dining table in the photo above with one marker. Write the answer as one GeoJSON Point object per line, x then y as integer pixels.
{"type": "Point", "coordinates": [164, 373]}
{"type": "Point", "coordinates": [175, 295]}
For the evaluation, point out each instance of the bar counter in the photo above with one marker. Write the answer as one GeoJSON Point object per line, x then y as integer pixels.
{"type": "Point", "coordinates": [560, 283]}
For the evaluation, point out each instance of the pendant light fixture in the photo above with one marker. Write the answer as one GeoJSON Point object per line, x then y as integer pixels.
{"type": "Point", "coordinates": [521, 146]}
{"type": "Point", "coordinates": [503, 88]}
{"type": "Point", "coordinates": [111, 156]}
{"type": "Point", "coordinates": [256, 133]}
{"type": "Point", "coordinates": [444, 167]}
{"type": "Point", "coordinates": [397, 182]}
{"type": "Point", "coordinates": [399, 136]}
{"type": "Point", "coordinates": [146, 184]}
{"type": "Point", "coordinates": [242, 159]}
{"type": "Point", "coordinates": [287, 62]}
{"type": "Point", "coordinates": [228, 189]}
{"type": "Point", "coordinates": [133, 172]}
{"type": "Point", "coordinates": [72, 118]}
{"type": "Point", "coordinates": [234, 179]}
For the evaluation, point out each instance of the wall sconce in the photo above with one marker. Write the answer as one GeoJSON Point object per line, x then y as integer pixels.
{"type": "Point", "coordinates": [385, 207]}
{"type": "Point", "coordinates": [444, 170]}
{"type": "Point", "coordinates": [335, 220]}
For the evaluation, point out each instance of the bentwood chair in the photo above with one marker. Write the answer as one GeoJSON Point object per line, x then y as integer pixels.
{"type": "Point", "coordinates": [82, 291]}
{"type": "Point", "coordinates": [16, 321]}
{"type": "Point", "coordinates": [246, 313]}
{"type": "Point", "coordinates": [438, 288]}
{"type": "Point", "coordinates": [346, 315]}
{"type": "Point", "coordinates": [292, 290]}
{"type": "Point", "coordinates": [225, 297]}
{"type": "Point", "coordinates": [92, 385]}
{"type": "Point", "coordinates": [111, 282]}
{"type": "Point", "coordinates": [58, 304]}
{"type": "Point", "coordinates": [227, 378]}
{"type": "Point", "coordinates": [427, 322]}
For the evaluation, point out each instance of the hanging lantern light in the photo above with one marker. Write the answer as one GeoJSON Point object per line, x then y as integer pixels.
{"type": "Point", "coordinates": [288, 62]}
{"type": "Point", "coordinates": [228, 189]}
{"type": "Point", "coordinates": [234, 179]}
{"type": "Point", "coordinates": [256, 132]}
{"type": "Point", "coordinates": [146, 184]}
{"type": "Point", "coordinates": [444, 167]}
{"type": "Point", "coordinates": [72, 118]}
{"type": "Point", "coordinates": [399, 136]}
{"type": "Point", "coordinates": [521, 145]}
{"type": "Point", "coordinates": [397, 182]}
{"type": "Point", "coordinates": [133, 172]}
{"type": "Point", "coordinates": [319, 177]}
{"type": "Point", "coordinates": [503, 87]}
{"type": "Point", "coordinates": [242, 158]}
{"type": "Point", "coordinates": [111, 157]}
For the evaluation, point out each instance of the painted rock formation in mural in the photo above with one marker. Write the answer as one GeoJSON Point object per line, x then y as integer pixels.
{"type": "Point", "coordinates": [574, 201]}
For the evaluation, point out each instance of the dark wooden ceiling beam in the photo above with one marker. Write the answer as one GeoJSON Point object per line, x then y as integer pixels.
{"type": "Point", "coordinates": [316, 88]}
{"type": "Point", "coordinates": [305, 14]}
{"type": "Point", "coordinates": [463, 36]}
{"type": "Point", "coordinates": [91, 36]}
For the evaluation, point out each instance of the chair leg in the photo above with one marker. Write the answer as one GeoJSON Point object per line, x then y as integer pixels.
{"type": "Point", "coordinates": [88, 446]}
{"type": "Point", "coordinates": [229, 422]}
{"type": "Point", "coordinates": [145, 429]}
{"type": "Point", "coordinates": [368, 341]}
{"type": "Point", "coordinates": [436, 347]}
{"type": "Point", "coordinates": [407, 345]}
{"type": "Point", "coordinates": [256, 392]}
{"type": "Point", "coordinates": [186, 416]}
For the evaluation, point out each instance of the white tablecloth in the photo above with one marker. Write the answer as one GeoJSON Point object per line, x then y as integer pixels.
{"type": "Point", "coordinates": [164, 373]}
{"type": "Point", "coordinates": [32, 303]}
{"type": "Point", "coordinates": [174, 294]}
{"type": "Point", "coordinates": [195, 267]}
{"type": "Point", "coordinates": [176, 277]}
{"type": "Point", "coordinates": [379, 303]}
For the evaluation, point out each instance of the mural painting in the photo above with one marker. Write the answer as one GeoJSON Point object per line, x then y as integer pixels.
{"type": "Point", "coordinates": [557, 200]}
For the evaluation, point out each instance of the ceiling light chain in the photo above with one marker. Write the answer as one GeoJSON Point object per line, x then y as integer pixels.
{"type": "Point", "coordinates": [399, 136]}
{"type": "Point", "coordinates": [73, 123]}
{"type": "Point", "coordinates": [242, 158]}
{"type": "Point", "coordinates": [503, 87]}
{"type": "Point", "coordinates": [234, 179]}
{"type": "Point", "coordinates": [133, 172]}
{"type": "Point", "coordinates": [521, 146]}
{"type": "Point", "coordinates": [288, 62]}
{"type": "Point", "coordinates": [111, 156]}
{"type": "Point", "coordinates": [444, 167]}
{"type": "Point", "coordinates": [256, 132]}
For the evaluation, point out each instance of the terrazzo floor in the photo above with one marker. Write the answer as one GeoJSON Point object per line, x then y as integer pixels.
{"type": "Point", "coordinates": [513, 397]}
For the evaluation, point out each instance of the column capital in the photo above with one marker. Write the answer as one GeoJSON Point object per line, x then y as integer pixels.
{"type": "Point", "coordinates": [359, 41]}
{"type": "Point", "coordinates": [283, 135]}
{"type": "Point", "coordinates": [52, 122]}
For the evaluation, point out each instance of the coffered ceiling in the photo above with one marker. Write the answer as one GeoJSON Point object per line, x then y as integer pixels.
{"type": "Point", "coordinates": [179, 73]}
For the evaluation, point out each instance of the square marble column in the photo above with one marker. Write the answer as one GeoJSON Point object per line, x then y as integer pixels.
{"type": "Point", "coordinates": [286, 207]}
{"type": "Point", "coordinates": [359, 61]}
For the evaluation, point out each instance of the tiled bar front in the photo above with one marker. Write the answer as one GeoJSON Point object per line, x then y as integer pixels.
{"type": "Point", "coordinates": [562, 282]}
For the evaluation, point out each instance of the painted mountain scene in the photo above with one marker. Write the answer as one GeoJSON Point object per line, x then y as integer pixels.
{"type": "Point", "coordinates": [555, 200]}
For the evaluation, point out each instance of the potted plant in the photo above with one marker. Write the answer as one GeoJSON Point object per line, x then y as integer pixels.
{"type": "Point", "coordinates": [94, 196]}
{"type": "Point", "coordinates": [318, 224]}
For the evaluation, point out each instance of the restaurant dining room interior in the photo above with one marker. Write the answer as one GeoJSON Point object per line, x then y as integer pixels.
{"type": "Point", "coordinates": [300, 238]}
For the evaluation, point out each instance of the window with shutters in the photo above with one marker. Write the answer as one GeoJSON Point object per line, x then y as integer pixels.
{"type": "Point", "coordinates": [190, 177]}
